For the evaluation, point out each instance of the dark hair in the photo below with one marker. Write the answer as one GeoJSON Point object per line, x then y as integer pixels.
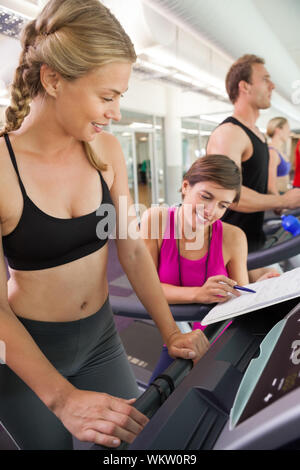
{"type": "Point", "coordinates": [218, 169]}
{"type": "Point", "coordinates": [240, 70]}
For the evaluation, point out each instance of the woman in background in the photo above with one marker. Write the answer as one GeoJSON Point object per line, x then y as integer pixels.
{"type": "Point", "coordinates": [205, 267]}
{"type": "Point", "coordinates": [278, 130]}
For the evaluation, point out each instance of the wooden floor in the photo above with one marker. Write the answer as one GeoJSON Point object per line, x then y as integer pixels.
{"type": "Point", "coordinates": [145, 196]}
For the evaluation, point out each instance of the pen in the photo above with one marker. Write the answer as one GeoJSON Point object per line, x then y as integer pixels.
{"type": "Point", "coordinates": [244, 289]}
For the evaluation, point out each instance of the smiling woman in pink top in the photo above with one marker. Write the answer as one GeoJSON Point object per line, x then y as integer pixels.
{"type": "Point", "coordinates": [199, 259]}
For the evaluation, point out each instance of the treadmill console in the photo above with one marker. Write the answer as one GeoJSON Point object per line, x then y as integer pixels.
{"type": "Point", "coordinates": [266, 410]}
{"type": "Point", "coordinates": [274, 373]}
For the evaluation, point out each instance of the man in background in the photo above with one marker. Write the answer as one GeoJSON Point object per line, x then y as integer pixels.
{"type": "Point", "coordinates": [249, 87]}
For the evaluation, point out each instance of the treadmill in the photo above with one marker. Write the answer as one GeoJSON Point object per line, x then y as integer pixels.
{"type": "Point", "coordinates": [192, 409]}
{"type": "Point", "coordinates": [6, 440]}
{"type": "Point", "coordinates": [272, 222]}
{"type": "Point", "coordinates": [197, 414]}
{"type": "Point", "coordinates": [276, 235]}
{"type": "Point", "coordinates": [142, 340]}
{"type": "Point", "coordinates": [244, 393]}
{"type": "Point", "coordinates": [201, 411]}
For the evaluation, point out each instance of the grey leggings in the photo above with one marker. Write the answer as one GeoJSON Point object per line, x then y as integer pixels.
{"type": "Point", "coordinates": [89, 353]}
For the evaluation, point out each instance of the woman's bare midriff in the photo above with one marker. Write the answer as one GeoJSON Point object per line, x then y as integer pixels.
{"type": "Point", "coordinates": [64, 293]}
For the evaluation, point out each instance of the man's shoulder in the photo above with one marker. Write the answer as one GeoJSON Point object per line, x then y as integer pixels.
{"type": "Point", "coordinates": [228, 128]}
{"type": "Point", "coordinates": [229, 139]}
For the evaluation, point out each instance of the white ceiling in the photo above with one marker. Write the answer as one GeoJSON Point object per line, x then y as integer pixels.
{"type": "Point", "coordinates": [209, 35]}
{"type": "Point", "coordinates": [269, 28]}
{"type": "Point", "coordinates": [265, 27]}
{"type": "Point", "coordinates": [283, 18]}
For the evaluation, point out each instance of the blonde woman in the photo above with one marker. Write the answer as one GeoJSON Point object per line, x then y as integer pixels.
{"type": "Point", "coordinates": [66, 371]}
{"type": "Point", "coordinates": [278, 131]}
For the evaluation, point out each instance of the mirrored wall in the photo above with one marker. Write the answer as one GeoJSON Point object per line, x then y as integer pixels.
{"type": "Point", "coordinates": [141, 138]}
{"type": "Point", "coordinates": [195, 133]}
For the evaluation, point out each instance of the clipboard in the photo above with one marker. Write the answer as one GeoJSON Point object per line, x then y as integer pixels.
{"type": "Point", "coordinates": [267, 292]}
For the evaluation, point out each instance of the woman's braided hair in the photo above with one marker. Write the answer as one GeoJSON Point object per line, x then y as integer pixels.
{"type": "Point", "coordinates": [72, 37]}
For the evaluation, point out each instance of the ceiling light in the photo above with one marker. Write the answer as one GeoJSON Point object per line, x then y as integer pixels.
{"type": "Point", "coordinates": [217, 91]}
{"type": "Point", "coordinates": [183, 78]}
{"type": "Point", "coordinates": [163, 57]}
{"type": "Point", "coordinates": [153, 67]}
{"type": "Point", "coordinates": [11, 22]}
{"type": "Point", "coordinates": [215, 118]}
{"type": "Point", "coordinates": [136, 125]}
{"type": "Point", "coordinates": [198, 84]}
{"type": "Point", "coordinates": [172, 71]}
{"type": "Point", "coordinates": [4, 102]}
{"type": "Point", "coordinates": [190, 131]}
{"type": "Point", "coordinates": [205, 133]}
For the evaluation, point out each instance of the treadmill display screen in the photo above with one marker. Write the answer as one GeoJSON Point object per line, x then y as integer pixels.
{"type": "Point", "coordinates": [281, 374]}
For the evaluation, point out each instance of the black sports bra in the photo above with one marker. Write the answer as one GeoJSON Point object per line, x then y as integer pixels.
{"type": "Point", "coordinates": [41, 241]}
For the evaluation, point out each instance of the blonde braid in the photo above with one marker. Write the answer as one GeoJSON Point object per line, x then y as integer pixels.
{"type": "Point", "coordinates": [20, 104]}
{"type": "Point", "coordinates": [20, 96]}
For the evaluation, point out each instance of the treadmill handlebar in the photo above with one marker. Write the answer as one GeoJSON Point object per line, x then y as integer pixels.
{"type": "Point", "coordinates": [274, 254]}
{"type": "Point", "coordinates": [133, 308]}
{"type": "Point", "coordinates": [162, 387]}
{"type": "Point", "coordinates": [157, 393]}
{"type": "Point", "coordinates": [295, 212]}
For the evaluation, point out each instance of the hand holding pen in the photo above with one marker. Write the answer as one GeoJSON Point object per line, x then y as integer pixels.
{"type": "Point", "coordinates": [215, 290]}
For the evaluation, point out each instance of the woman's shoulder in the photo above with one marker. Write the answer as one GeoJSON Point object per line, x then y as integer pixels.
{"type": "Point", "coordinates": [232, 233]}
{"type": "Point", "coordinates": [235, 243]}
{"type": "Point", "coordinates": [108, 148]}
{"type": "Point", "coordinates": [108, 151]}
{"type": "Point", "coordinates": [3, 148]}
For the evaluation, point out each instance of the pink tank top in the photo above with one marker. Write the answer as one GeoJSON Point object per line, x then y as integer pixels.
{"type": "Point", "coordinates": [192, 271]}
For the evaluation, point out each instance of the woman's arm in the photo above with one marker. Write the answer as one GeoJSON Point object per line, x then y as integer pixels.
{"type": "Point", "coordinates": [274, 161]}
{"type": "Point", "coordinates": [215, 290]}
{"type": "Point", "coordinates": [139, 267]}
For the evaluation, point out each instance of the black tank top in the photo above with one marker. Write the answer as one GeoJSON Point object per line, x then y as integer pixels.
{"type": "Point", "coordinates": [255, 176]}
{"type": "Point", "coordinates": [41, 241]}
